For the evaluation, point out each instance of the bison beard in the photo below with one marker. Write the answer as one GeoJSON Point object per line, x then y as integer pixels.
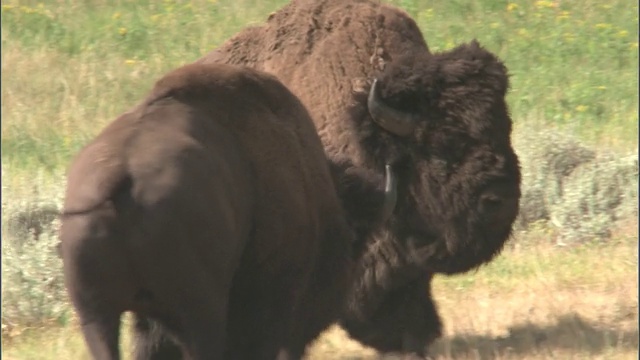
{"type": "Point", "coordinates": [209, 211]}
{"type": "Point", "coordinates": [441, 119]}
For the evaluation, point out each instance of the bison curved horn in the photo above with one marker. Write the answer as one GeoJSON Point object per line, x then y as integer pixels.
{"type": "Point", "coordinates": [390, 119]}
{"type": "Point", "coordinates": [390, 193]}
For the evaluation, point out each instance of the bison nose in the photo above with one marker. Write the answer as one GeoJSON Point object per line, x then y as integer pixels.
{"type": "Point", "coordinates": [498, 204]}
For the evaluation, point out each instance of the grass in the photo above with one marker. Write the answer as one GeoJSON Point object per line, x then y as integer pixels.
{"type": "Point", "coordinates": [536, 301]}
{"type": "Point", "coordinates": [69, 67]}
{"type": "Point", "coordinates": [566, 58]}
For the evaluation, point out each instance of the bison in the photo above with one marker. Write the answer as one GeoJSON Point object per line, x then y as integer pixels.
{"type": "Point", "coordinates": [378, 96]}
{"type": "Point", "coordinates": [209, 211]}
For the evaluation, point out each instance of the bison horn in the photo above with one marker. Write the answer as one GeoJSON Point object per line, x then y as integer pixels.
{"type": "Point", "coordinates": [390, 119]}
{"type": "Point", "coordinates": [390, 193]}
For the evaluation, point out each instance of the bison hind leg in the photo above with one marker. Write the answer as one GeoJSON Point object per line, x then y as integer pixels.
{"type": "Point", "coordinates": [102, 335]}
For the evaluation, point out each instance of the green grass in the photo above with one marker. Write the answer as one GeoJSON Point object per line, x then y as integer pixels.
{"type": "Point", "coordinates": [573, 64]}
{"type": "Point", "coordinates": [69, 67]}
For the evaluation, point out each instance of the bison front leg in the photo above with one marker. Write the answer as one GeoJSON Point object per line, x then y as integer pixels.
{"type": "Point", "coordinates": [406, 321]}
{"type": "Point", "coordinates": [423, 324]}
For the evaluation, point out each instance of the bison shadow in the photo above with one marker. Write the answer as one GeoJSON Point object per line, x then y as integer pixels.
{"type": "Point", "coordinates": [570, 332]}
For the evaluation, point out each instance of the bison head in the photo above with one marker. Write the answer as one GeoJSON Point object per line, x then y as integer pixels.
{"type": "Point", "coordinates": [443, 123]}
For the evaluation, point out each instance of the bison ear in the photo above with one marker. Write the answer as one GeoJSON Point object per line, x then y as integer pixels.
{"type": "Point", "coordinates": [471, 64]}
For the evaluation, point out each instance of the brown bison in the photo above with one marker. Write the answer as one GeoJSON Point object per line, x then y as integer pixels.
{"type": "Point", "coordinates": [209, 210]}
{"type": "Point", "coordinates": [379, 97]}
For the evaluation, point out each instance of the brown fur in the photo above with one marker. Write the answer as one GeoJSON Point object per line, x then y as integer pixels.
{"type": "Point", "coordinates": [210, 194]}
{"type": "Point", "coordinates": [459, 178]}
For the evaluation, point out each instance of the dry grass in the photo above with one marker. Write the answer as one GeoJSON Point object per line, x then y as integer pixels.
{"type": "Point", "coordinates": [577, 303]}
{"type": "Point", "coordinates": [536, 301]}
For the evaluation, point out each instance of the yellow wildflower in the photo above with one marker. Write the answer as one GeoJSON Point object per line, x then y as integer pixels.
{"type": "Point", "coordinates": [545, 4]}
{"type": "Point", "coordinates": [511, 6]}
{"type": "Point", "coordinates": [122, 31]}
{"type": "Point", "coordinates": [601, 87]}
{"type": "Point", "coordinates": [622, 33]}
{"type": "Point", "coordinates": [7, 7]}
{"type": "Point", "coordinates": [634, 45]}
{"type": "Point", "coordinates": [582, 108]}
{"type": "Point", "coordinates": [563, 15]}
{"type": "Point", "coordinates": [116, 16]}
{"type": "Point", "coordinates": [27, 10]}
{"type": "Point", "coordinates": [603, 26]}
{"type": "Point", "coordinates": [494, 25]}
{"type": "Point", "coordinates": [426, 14]}
{"type": "Point", "coordinates": [130, 62]}
{"type": "Point", "coordinates": [569, 37]}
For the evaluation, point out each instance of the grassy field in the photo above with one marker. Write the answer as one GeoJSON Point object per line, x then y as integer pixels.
{"type": "Point", "coordinates": [71, 66]}
{"type": "Point", "coordinates": [536, 301]}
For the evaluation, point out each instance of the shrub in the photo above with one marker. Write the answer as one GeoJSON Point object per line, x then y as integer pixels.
{"type": "Point", "coordinates": [33, 291]}
{"type": "Point", "coordinates": [596, 196]}
{"type": "Point", "coordinates": [547, 158]}
{"type": "Point", "coordinates": [575, 189]}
